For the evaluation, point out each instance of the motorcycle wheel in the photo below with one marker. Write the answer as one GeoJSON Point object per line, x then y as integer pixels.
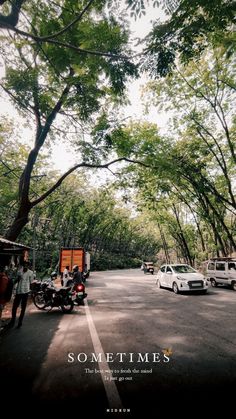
{"type": "Point", "coordinates": [79, 302]}
{"type": "Point", "coordinates": [67, 308]}
{"type": "Point", "coordinates": [39, 301]}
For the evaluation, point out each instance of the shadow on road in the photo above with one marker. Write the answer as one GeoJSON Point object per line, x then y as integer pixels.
{"type": "Point", "coordinates": [22, 352]}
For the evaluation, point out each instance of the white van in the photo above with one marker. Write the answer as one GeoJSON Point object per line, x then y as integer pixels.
{"type": "Point", "coordinates": [222, 271]}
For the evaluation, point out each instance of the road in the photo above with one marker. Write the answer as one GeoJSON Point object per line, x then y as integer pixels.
{"type": "Point", "coordinates": [132, 348]}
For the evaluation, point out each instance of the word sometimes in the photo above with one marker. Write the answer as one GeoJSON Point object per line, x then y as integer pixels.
{"type": "Point", "coordinates": [130, 357]}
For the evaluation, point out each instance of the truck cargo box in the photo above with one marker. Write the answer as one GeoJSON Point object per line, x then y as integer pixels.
{"type": "Point", "coordinates": [70, 256]}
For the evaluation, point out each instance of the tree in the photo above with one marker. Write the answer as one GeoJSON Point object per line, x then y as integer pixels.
{"type": "Point", "coordinates": [193, 25]}
{"type": "Point", "coordinates": [57, 86]}
{"type": "Point", "coordinates": [180, 171]}
{"type": "Point", "coordinates": [79, 215]}
{"type": "Point", "coordinates": [9, 173]}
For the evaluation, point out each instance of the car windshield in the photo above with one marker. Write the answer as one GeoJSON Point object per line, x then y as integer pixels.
{"type": "Point", "coordinates": [182, 269]}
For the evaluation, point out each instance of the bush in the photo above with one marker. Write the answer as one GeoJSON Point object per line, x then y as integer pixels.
{"type": "Point", "coordinates": [105, 261]}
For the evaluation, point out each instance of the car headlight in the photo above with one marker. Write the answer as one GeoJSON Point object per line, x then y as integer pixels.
{"type": "Point", "coordinates": [182, 279]}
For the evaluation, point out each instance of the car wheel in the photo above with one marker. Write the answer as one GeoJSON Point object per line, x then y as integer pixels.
{"type": "Point", "coordinates": [175, 288]}
{"type": "Point", "coordinates": [233, 286]}
{"type": "Point", "coordinates": [213, 282]}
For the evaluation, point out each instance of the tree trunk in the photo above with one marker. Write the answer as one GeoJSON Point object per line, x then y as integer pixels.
{"type": "Point", "coordinates": [21, 219]}
{"type": "Point", "coordinates": [183, 239]}
{"type": "Point", "coordinates": [164, 244]}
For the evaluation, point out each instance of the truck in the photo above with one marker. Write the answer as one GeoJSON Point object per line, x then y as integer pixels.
{"type": "Point", "coordinates": [70, 256]}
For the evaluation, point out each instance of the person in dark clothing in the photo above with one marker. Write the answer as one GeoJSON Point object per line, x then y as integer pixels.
{"type": "Point", "coordinates": [77, 276]}
{"type": "Point", "coordinates": [21, 297]}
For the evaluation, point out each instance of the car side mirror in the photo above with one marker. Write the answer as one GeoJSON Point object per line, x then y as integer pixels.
{"type": "Point", "coordinates": [169, 273]}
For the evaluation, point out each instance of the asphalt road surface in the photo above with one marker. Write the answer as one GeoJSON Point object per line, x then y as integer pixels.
{"type": "Point", "coordinates": [133, 348]}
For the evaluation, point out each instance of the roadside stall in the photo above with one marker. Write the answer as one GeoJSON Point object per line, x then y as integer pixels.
{"type": "Point", "coordinates": [12, 253]}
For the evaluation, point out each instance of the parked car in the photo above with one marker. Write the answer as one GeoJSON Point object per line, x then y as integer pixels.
{"type": "Point", "coordinates": [181, 278]}
{"type": "Point", "coordinates": [148, 267]}
{"type": "Point", "coordinates": [222, 271]}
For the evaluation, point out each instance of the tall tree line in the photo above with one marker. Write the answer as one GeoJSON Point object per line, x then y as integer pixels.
{"type": "Point", "coordinates": [67, 67]}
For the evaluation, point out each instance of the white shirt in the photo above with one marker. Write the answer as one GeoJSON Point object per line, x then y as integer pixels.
{"type": "Point", "coordinates": [66, 276]}
{"type": "Point", "coordinates": [23, 286]}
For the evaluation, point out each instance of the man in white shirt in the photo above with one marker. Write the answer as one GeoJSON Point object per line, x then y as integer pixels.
{"type": "Point", "coordinates": [66, 276]}
{"type": "Point", "coordinates": [21, 296]}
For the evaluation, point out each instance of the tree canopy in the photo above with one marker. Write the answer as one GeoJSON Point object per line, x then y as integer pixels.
{"type": "Point", "coordinates": [67, 68]}
{"type": "Point", "coordinates": [192, 26]}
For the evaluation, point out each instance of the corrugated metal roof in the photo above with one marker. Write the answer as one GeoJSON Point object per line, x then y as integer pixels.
{"type": "Point", "coordinates": [5, 241]}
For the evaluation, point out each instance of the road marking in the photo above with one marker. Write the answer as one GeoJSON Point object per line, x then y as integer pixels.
{"type": "Point", "coordinates": [109, 385]}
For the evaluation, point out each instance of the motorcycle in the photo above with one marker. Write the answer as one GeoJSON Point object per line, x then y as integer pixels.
{"type": "Point", "coordinates": [80, 293]}
{"type": "Point", "coordinates": [46, 296]}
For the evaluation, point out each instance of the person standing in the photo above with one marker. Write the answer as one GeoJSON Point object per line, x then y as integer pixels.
{"type": "Point", "coordinates": [66, 276]}
{"type": "Point", "coordinates": [21, 296]}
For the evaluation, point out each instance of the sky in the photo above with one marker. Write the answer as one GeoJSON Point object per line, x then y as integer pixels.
{"type": "Point", "coordinates": [61, 156]}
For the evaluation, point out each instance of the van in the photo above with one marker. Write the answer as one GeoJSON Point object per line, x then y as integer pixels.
{"type": "Point", "coordinates": [222, 271]}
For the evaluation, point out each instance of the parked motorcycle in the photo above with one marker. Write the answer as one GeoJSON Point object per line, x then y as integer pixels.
{"type": "Point", "coordinates": [37, 289]}
{"type": "Point", "coordinates": [46, 296]}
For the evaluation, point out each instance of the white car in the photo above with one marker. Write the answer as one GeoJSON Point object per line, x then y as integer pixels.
{"type": "Point", "coordinates": [181, 278]}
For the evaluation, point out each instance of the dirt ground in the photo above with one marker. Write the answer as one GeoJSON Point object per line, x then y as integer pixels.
{"type": "Point", "coordinates": [6, 314]}
{"type": "Point", "coordinates": [7, 310]}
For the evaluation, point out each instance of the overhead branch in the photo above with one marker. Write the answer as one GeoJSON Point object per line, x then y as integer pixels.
{"type": "Point", "coordinates": [87, 51]}
{"type": "Point", "coordinates": [28, 108]}
{"type": "Point", "coordinates": [77, 166]}
{"type": "Point", "coordinates": [77, 19]}
{"type": "Point", "coordinates": [41, 40]}
{"type": "Point", "coordinates": [52, 115]}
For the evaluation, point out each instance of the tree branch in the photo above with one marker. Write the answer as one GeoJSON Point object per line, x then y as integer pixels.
{"type": "Point", "coordinates": [64, 44]}
{"type": "Point", "coordinates": [77, 19]}
{"type": "Point", "coordinates": [77, 166]}
{"type": "Point", "coordinates": [26, 108]}
{"type": "Point", "coordinates": [52, 115]}
{"type": "Point", "coordinates": [228, 84]}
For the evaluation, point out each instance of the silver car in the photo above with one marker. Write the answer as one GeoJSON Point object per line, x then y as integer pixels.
{"type": "Point", "coordinates": [181, 278]}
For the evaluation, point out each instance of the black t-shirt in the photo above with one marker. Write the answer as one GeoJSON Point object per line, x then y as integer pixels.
{"type": "Point", "coordinates": [77, 277]}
